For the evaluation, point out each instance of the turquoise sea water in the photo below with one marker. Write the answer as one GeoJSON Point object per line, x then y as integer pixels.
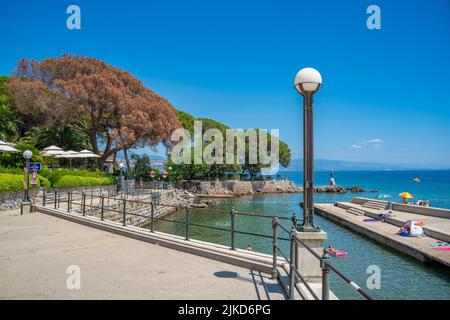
{"type": "Point", "coordinates": [434, 185]}
{"type": "Point", "coordinates": [402, 277]}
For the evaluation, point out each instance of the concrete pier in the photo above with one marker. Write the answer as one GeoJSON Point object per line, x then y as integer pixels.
{"type": "Point", "coordinates": [361, 218]}
{"type": "Point", "coordinates": [36, 250]}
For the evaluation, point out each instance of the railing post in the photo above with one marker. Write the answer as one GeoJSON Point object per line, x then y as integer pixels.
{"type": "Point", "coordinates": [233, 217]}
{"type": "Point", "coordinates": [68, 201]}
{"type": "Point", "coordinates": [152, 218]}
{"type": "Point", "coordinates": [83, 209]}
{"type": "Point", "coordinates": [275, 244]}
{"type": "Point", "coordinates": [44, 197]}
{"type": "Point", "coordinates": [124, 212]}
{"type": "Point", "coordinates": [186, 223]}
{"type": "Point", "coordinates": [291, 267]}
{"type": "Point", "coordinates": [56, 199]}
{"type": "Point", "coordinates": [102, 212]}
{"type": "Point", "coordinates": [325, 272]}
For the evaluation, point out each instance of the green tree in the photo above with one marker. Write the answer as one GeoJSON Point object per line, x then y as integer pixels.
{"type": "Point", "coordinates": [16, 160]}
{"type": "Point", "coordinates": [186, 120]}
{"type": "Point", "coordinates": [142, 165]}
{"type": "Point", "coordinates": [10, 121]}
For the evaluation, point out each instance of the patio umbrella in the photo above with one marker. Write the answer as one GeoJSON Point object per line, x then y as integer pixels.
{"type": "Point", "coordinates": [406, 195]}
{"type": "Point", "coordinates": [52, 151]}
{"type": "Point", "coordinates": [86, 154]}
{"type": "Point", "coordinates": [7, 147]}
{"type": "Point", "coordinates": [384, 196]}
{"type": "Point", "coordinates": [68, 155]}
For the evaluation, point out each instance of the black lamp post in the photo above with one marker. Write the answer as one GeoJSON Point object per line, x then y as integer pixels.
{"type": "Point", "coordinates": [27, 154]}
{"type": "Point", "coordinates": [307, 82]}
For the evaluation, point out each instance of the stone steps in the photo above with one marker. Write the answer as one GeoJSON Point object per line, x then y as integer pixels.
{"type": "Point", "coordinates": [355, 211]}
{"type": "Point", "coordinates": [374, 205]}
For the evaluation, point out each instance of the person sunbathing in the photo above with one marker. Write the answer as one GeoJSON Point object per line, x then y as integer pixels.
{"type": "Point", "coordinates": [383, 216]}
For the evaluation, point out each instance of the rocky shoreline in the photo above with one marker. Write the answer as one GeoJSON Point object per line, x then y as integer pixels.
{"type": "Point", "coordinates": [240, 188]}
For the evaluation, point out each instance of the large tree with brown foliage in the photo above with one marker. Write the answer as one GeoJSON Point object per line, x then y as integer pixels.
{"type": "Point", "coordinates": [103, 101]}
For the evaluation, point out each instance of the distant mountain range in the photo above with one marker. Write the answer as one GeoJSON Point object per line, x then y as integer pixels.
{"type": "Point", "coordinates": [340, 165]}
{"type": "Point", "coordinates": [336, 165]}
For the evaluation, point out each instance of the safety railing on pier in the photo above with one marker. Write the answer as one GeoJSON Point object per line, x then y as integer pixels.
{"type": "Point", "coordinates": [81, 202]}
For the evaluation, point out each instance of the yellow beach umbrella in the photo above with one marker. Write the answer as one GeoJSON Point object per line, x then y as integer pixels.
{"type": "Point", "coordinates": [406, 195]}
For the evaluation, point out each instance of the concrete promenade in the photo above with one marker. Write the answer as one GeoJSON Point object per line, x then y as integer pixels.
{"type": "Point", "coordinates": [361, 219]}
{"type": "Point", "coordinates": [36, 249]}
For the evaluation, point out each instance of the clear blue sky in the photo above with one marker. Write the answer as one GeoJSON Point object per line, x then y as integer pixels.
{"type": "Point", "coordinates": [386, 93]}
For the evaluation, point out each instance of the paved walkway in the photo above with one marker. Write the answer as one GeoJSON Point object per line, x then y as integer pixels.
{"type": "Point", "coordinates": [36, 250]}
{"type": "Point", "coordinates": [386, 233]}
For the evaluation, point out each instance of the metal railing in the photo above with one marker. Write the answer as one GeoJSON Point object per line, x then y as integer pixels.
{"type": "Point", "coordinates": [154, 185]}
{"type": "Point", "coordinates": [120, 205]}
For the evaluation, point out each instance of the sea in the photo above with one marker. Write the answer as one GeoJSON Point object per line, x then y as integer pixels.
{"type": "Point", "coordinates": [401, 277]}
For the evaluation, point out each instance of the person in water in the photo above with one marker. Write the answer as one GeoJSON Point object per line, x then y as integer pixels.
{"type": "Point", "coordinates": [249, 247]}
{"type": "Point", "coordinates": [330, 249]}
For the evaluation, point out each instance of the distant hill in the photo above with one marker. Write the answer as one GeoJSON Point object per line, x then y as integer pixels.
{"type": "Point", "coordinates": [340, 165]}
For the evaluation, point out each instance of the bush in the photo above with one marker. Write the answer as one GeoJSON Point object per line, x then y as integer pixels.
{"type": "Point", "coordinates": [11, 182]}
{"type": "Point", "coordinates": [14, 182]}
{"type": "Point", "coordinates": [72, 181]}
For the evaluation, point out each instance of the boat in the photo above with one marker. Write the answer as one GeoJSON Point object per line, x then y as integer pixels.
{"type": "Point", "coordinates": [416, 179]}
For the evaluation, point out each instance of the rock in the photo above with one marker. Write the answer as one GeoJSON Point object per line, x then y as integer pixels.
{"type": "Point", "coordinates": [355, 189]}
{"type": "Point", "coordinates": [330, 189]}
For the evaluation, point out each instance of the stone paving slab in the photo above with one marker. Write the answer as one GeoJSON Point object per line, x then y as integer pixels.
{"type": "Point", "coordinates": [36, 250]}
{"type": "Point", "coordinates": [440, 227]}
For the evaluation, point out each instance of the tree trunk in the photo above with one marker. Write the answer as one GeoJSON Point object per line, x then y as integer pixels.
{"type": "Point", "coordinates": [127, 160]}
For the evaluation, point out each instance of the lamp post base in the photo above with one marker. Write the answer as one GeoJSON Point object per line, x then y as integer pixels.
{"type": "Point", "coordinates": [308, 265]}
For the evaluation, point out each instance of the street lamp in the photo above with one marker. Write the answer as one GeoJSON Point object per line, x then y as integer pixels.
{"type": "Point", "coordinates": [307, 82]}
{"type": "Point", "coordinates": [27, 154]}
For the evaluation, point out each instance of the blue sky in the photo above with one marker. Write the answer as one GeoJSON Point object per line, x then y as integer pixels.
{"type": "Point", "coordinates": [386, 93]}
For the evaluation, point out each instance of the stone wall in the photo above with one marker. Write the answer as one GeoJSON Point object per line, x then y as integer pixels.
{"type": "Point", "coordinates": [237, 187]}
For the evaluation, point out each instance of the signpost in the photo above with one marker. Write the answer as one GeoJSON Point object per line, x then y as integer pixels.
{"type": "Point", "coordinates": [35, 166]}
{"type": "Point", "coordinates": [34, 181]}
{"type": "Point", "coordinates": [152, 175]}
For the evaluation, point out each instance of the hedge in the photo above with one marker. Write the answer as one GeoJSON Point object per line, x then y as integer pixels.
{"type": "Point", "coordinates": [55, 175]}
{"type": "Point", "coordinates": [11, 182]}
{"type": "Point", "coordinates": [14, 182]}
{"type": "Point", "coordinates": [12, 170]}
{"type": "Point", "coordinates": [71, 181]}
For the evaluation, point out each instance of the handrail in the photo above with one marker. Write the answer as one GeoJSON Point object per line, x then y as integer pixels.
{"type": "Point", "coordinates": [325, 265]}
{"type": "Point", "coordinates": [294, 240]}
